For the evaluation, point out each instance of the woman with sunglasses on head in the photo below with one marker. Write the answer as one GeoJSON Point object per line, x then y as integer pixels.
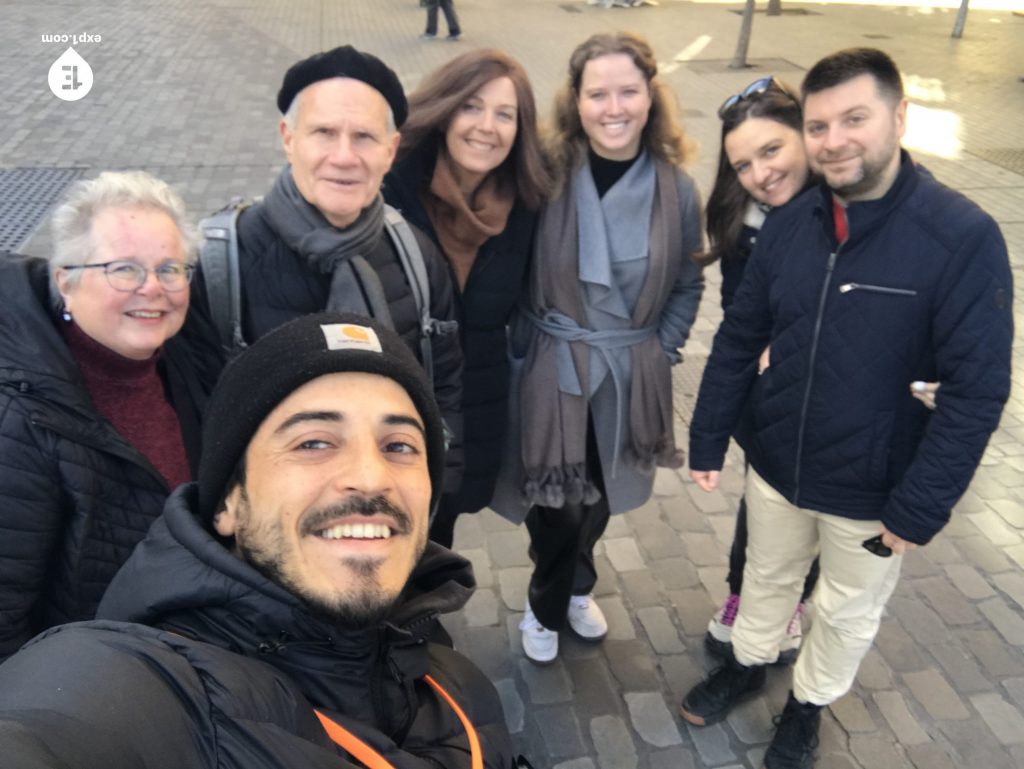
{"type": "Point", "coordinates": [761, 165]}
{"type": "Point", "coordinates": [100, 396]}
{"type": "Point", "coordinates": [470, 173]}
{"type": "Point", "coordinates": [614, 289]}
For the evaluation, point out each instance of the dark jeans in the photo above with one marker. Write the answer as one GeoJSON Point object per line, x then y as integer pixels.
{"type": "Point", "coordinates": [451, 19]}
{"type": "Point", "coordinates": [738, 558]}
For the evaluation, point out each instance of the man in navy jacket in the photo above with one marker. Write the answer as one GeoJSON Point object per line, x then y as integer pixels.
{"type": "Point", "coordinates": [879, 278]}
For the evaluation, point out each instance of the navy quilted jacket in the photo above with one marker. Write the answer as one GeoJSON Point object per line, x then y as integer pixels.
{"type": "Point", "coordinates": [75, 497]}
{"type": "Point", "coordinates": [921, 290]}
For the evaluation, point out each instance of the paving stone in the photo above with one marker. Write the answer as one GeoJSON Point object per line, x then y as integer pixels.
{"type": "Point", "coordinates": [681, 673]}
{"type": "Point", "coordinates": [960, 667]}
{"type": "Point", "coordinates": [624, 554]}
{"type": "Point", "coordinates": [835, 761]}
{"type": "Point", "coordinates": [1005, 620]}
{"type": "Point", "coordinates": [641, 589]}
{"type": "Point", "coordinates": [560, 731]}
{"type": "Point", "coordinates": [617, 526]}
{"type": "Point", "coordinates": [1015, 686]}
{"type": "Point", "coordinates": [482, 609]}
{"type": "Point", "coordinates": [874, 673]}
{"type": "Point", "coordinates": [572, 647]}
{"type": "Point", "coordinates": [850, 711]}
{"type": "Point", "coordinates": [1013, 585]}
{"type": "Point", "coordinates": [632, 666]}
{"type": "Point", "coordinates": [704, 549]}
{"type": "Point", "coordinates": [725, 527]}
{"type": "Point", "coordinates": [708, 501]}
{"type": "Point", "coordinates": [713, 579]}
{"type": "Point", "coordinates": [833, 739]}
{"type": "Point", "coordinates": [491, 522]}
{"type": "Point", "coordinates": [509, 548]}
{"type": "Point", "coordinates": [694, 610]}
{"type": "Point", "coordinates": [676, 758]}
{"type": "Point", "coordinates": [668, 483]}
{"type": "Point", "coordinates": [596, 692]}
{"type": "Point", "coordinates": [935, 695]}
{"type": "Point", "coordinates": [976, 745]}
{"type": "Point", "coordinates": [917, 563]}
{"type": "Point", "coordinates": [898, 649]}
{"type": "Point", "coordinates": [712, 744]}
{"type": "Point", "coordinates": [941, 550]}
{"type": "Point", "coordinates": [607, 577]}
{"type": "Point", "coordinates": [1010, 510]}
{"type": "Point", "coordinates": [683, 516]}
{"type": "Point", "coordinates": [923, 624]}
{"type": "Point", "coordinates": [659, 540]}
{"type": "Point", "coordinates": [547, 684]}
{"type": "Point", "coordinates": [982, 554]}
{"type": "Point", "coordinates": [620, 624]}
{"type": "Point", "coordinates": [576, 763]}
{"type": "Point", "coordinates": [993, 653]}
{"type": "Point", "coordinates": [930, 756]}
{"type": "Point", "coordinates": [902, 722]}
{"type": "Point", "coordinates": [875, 751]}
{"type": "Point", "coordinates": [469, 533]}
{"type": "Point", "coordinates": [652, 719]}
{"type": "Point", "coordinates": [513, 583]}
{"type": "Point", "coordinates": [481, 564]}
{"type": "Point", "coordinates": [488, 647]}
{"type": "Point", "coordinates": [998, 531]}
{"type": "Point", "coordinates": [752, 721]}
{"type": "Point", "coordinates": [613, 742]}
{"type": "Point", "coordinates": [968, 581]}
{"type": "Point", "coordinates": [512, 704]}
{"type": "Point", "coordinates": [675, 573]}
{"type": "Point", "coordinates": [1002, 718]}
{"type": "Point", "coordinates": [660, 631]}
{"type": "Point", "coordinates": [1016, 553]}
{"type": "Point", "coordinates": [947, 601]}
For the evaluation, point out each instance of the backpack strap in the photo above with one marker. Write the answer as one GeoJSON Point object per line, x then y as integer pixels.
{"type": "Point", "coordinates": [411, 256]}
{"type": "Point", "coordinates": [218, 258]}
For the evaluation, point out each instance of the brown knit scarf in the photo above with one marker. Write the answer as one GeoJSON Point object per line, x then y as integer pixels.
{"type": "Point", "coordinates": [463, 226]}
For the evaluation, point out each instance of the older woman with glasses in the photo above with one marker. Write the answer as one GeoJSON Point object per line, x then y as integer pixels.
{"type": "Point", "coordinates": [100, 396]}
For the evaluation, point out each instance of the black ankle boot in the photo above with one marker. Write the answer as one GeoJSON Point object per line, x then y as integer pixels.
{"type": "Point", "coordinates": [796, 736]}
{"type": "Point", "coordinates": [711, 700]}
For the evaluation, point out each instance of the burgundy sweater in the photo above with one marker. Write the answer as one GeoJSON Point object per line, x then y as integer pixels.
{"type": "Point", "coordinates": [130, 394]}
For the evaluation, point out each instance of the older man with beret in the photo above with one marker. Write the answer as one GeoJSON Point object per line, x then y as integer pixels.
{"type": "Point", "coordinates": [279, 613]}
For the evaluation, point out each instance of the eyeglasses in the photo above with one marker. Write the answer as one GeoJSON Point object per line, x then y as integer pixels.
{"type": "Point", "coordinates": [755, 88]}
{"type": "Point", "coordinates": [129, 276]}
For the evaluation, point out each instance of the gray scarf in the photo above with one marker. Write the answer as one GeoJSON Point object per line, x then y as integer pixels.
{"type": "Point", "coordinates": [355, 285]}
{"type": "Point", "coordinates": [555, 385]}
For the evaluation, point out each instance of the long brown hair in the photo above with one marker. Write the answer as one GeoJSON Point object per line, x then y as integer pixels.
{"type": "Point", "coordinates": [433, 105]}
{"type": "Point", "coordinates": [662, 136]}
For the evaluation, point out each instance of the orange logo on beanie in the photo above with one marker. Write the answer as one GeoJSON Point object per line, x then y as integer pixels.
{"type": "Point", "coordinates": [348, 336]}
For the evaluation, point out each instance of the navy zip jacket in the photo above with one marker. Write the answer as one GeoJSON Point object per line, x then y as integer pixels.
{"type": "Point", "coordinates": [921, 290]}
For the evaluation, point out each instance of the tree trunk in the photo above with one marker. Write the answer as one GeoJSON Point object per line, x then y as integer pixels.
{"type": "Point", "coordinates": [774, 7]}
{"type": "Point", "coordinates": [961, 18]}
{"type": "Point", "coordinates": [739, 61]}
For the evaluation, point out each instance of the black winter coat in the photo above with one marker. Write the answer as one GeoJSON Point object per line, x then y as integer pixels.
{"type": "Point", "coordinates": [226, 668]}
{"type": "Point", "coordinates": [75, 497]}
{"type": "Point", "coordinates": [921, 290]}
{"type": "Point", "coordinates": [278, 286]}
{"type": "Point", "coordinates": [494, 286]}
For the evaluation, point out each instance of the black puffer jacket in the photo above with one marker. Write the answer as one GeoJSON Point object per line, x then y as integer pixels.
{"type": "Point", "coordinates": [228, 667]}
{"type": "Point", "coordinates": [75, 497]}
{"type": "Point", "coordinates": [278, 286]}
{"type": "Point", "coordinates": [495, 283]}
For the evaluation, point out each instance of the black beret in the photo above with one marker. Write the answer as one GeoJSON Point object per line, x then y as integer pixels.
{"type": "Point", "coordinates": [345, 61]}
{"type": "Point", "coordinates": [279, 363]}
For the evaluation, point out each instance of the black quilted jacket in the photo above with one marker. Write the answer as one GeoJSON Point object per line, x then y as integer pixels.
{"type": "Point", "coordinates": [75, 497]}
{"type": "Point", "coordinates": [227, 668]}
{"type": "Point", "coordinates": [921, 290]}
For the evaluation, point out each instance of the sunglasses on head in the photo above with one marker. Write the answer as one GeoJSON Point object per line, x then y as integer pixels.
{"type": "Point", "coordinates": [757, 87]}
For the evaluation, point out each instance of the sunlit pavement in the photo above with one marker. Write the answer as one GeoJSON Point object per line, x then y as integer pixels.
{"type": "Point", "coordinates": [185, 90]}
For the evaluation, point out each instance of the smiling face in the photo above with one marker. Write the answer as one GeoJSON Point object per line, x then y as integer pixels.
{"type": "Point", "coordinates": [483, 130]}
{"type": "Point", "coordinates": [136, 323]}
{"type": "Point", "coordinates": [768, 158]}
{"type": "Point", "coordinates": [614, 102]}
{"type": "Point", "coordinates": [340, 147]}
{"type": "Point", "coordinates": [335, 502]}
{"type": "Point", "coordinates": [852, 134]}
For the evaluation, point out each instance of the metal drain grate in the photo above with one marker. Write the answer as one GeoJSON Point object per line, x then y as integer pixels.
{"type": "Point", "coordinates": [26, 195]}
{"type": "Point", "coordinates": [685, 385]}
{"type": "Point", "coordinates": [1011, 159]}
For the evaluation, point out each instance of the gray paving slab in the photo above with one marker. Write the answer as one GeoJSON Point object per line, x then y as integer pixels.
{"type": "Point", "coordinates": [185, 90]}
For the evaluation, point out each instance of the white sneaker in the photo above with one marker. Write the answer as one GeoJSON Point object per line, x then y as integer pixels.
{"type": "Point", "coordinates": [586, 618]}
{"type": "Point", "coordinates": [539, 644]}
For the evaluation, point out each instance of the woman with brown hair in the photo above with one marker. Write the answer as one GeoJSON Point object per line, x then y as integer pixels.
{"type": "Point", "coordinates": [614, 289]}
{"type": "Point", "coordinates": [471, 175]}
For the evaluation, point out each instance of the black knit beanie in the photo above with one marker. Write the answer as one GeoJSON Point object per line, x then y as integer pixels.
{"type": "Point", "coordinates": [345, 61]}
{"type": "Point", "coordinates": [263, 375]}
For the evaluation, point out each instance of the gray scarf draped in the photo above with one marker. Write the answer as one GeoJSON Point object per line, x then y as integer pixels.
{"type": "Point", "coordinates": [355, 285]}
{"type": "Point", "coordinates": [556, 385]}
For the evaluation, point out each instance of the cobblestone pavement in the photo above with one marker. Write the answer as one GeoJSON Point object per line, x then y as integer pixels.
{"type": "Point", "coordinates": [185, 89]}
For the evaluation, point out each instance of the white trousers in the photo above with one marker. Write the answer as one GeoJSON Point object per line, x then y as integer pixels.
{"type": "Point", "coordinates": [851, 594]}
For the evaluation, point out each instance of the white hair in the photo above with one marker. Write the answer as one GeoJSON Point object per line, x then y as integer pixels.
{"type": "Point", "coordinates": [291, 115]}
